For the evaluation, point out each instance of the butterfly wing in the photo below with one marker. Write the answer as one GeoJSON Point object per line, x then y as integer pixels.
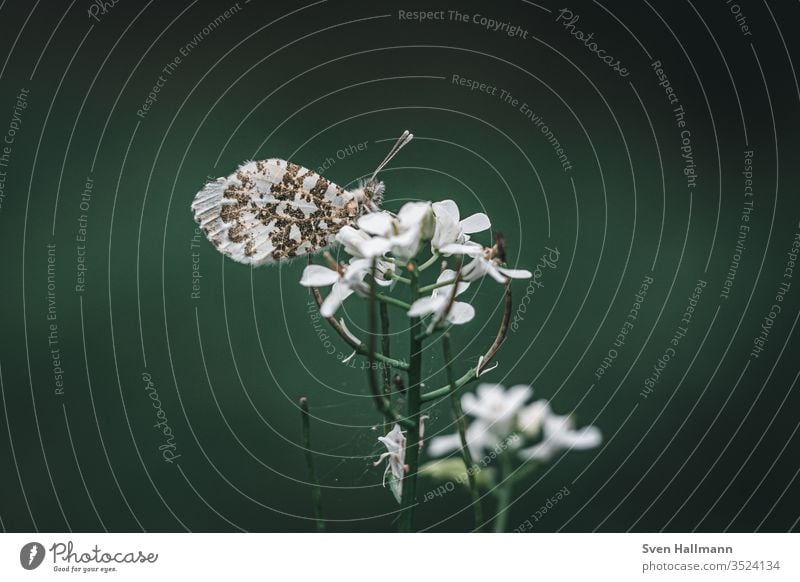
{"type": "Point", "coordinates": [270, 210]}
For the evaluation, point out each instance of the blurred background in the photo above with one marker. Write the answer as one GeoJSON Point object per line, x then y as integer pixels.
{"type": "Point", "coordinates": [115, 115]}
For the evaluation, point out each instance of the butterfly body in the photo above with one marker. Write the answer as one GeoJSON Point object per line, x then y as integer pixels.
{"type": "Point", "coordinates": [274, 210]}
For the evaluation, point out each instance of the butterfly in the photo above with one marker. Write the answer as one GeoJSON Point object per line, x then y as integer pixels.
{"type": "Point", "coordinates": [274, 210]}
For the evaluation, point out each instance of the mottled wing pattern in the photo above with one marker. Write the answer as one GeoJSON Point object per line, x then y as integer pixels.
{"type": "Point", "coordinates": [270, 210]}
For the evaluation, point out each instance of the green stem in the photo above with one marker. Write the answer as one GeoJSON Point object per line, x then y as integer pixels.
{"type": "Point", "coordinates": [316, 492]}
{"type": "Point", "coordinates": [486, 358]}
{"type": "Point", "coordinates": [503, 493]}
{"type": "Point", "coordinates": [381, 401]}
{"type": "Point", "coordinates": [354, 343]}
{"type": "Point", "coordinates": [458, 415]}
{"type": "Point", "coordinates": [429, 262]}
{"type": "Point", "coordinates": [445, 390]}
{"type": "Point", "coordinates": [409, 498]}
{"type": "Point", "coordinates": [429, 331]}
{"type": "Point", "coordinates": [392, 301]}
{"type": "Point", "coordinates": [397, 277]}
{"type": "Point", "coordinates": [385, 347]}
{"type": "Point", "coordinates": [432, 286]}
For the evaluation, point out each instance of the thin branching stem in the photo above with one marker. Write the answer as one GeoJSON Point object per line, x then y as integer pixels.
{"type": "Point", "coordinates": [468, 377]}
{"type": "Point", "coordinates": [316, 491]}
{"type": "Point", "coordinates": [392, 301]}
{"type": "Point", "coordinates": [501, 332]}
{"type": "Point", "coordinates": [458, 415]}
{"type": "Point", "coordinates": [352, 342]}
{"type": "Point", "coordinates": [451, 299]}
{"type": "Point", "coordinates": [386, 349]}
{"type": "Point", "coordinates": [432, 286]}
{"type": "Point", "coordinates": [381, 401]}
{"type": "Point", "coordinates": [409, 498]}
{"type": "Point", "coordinates": [430, 262]}
{"type": "Point", "coordinates": [400, 278]}
{"type": "Point", "coordinates": [503, 493]}
{"type": "Point", "coordinates": [473, 373]}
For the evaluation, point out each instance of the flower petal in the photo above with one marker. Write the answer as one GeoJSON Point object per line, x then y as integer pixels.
{"type": "Point", "coordinates": [450, 275]}
{"type": "Point", "coordinates": [531, 418]}
{"type": "Point", "coordinates": [475, 223]}
{"type": "Point", "coordinates": [318, 276]}
{"type": "Point", "coordinates": [352, 239]}
{"type": "Point", "coordinates": [334, 299]}
{"type": "Point", "coordinates": [587, 437]}
{"type": "Point", "coordinates": [482, 404]}
{"type": "Point", "coordinates": [515, 273]}
{"type": "Point", "coordinates": [470, 249]}
{"type": "Point", "coordinates": [446, 209]}
{"type": "Point", "coordinates": [494, 272]}
{"type": "Point", "coordinates": [441, 445]}
{"type": "Point", "coordinates": [406, 244]}
{"type": "Point", "coordinates": [517, 395]}
{"type": "Point", "coordinates": [461, 313]}
{"type": "Point", "coordinates": [413, 213]}
{"type": "Point", "coordinates": [377, 223]}
{"type": "Point", "coordinates": [544, 451]}
{"type": "Point", "coordinates": [426, 305]}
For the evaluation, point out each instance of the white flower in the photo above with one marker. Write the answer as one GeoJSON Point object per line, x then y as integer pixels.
{"type": "Point", "coordinates": [495, 411]}
{"type": "Point", "coordinates": [360, 244]}
{"type": "Point", "coordinates": [496, 406]}
{"type": "Point", "coordinates": [500, 416]}
{"type": "Point", "coordinates": [484, 263]}
{"type": "Point", "coordinates": [450, 229]}
{"type": "Point", "coordinates": [531, 418]}
{"type": "Point", "coordinates": [559, 435]}
{"type": "Point", "coordinates": [344, 282]}
{"type": "Point", "coordinates": [437, 302]}
{"type": "Point", "coordinates": [479, 438]}
{"type": "Point", "coordinates": [401, 234]}
{"type": "Point", "coordinates": [395, 443]}
{"type": "Point", "coordinates": [347, 280]}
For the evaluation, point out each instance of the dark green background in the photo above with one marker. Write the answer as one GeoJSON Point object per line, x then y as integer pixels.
{"type": "Point", "coordinates": [703, 451]}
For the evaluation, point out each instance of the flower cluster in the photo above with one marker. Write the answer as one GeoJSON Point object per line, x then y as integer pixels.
{"type": "Point", "coordinates": [499, 413]}
{"type": "Point", "coordinates": [390, 250]}
{"type": "Point", "coordinates": [392, 240]}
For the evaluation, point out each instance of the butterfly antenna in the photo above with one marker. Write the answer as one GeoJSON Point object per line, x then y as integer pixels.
{"type": "Point", "coordinates": [398, 145]}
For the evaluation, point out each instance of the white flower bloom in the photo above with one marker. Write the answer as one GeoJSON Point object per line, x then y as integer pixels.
{"type": "Point", "coordinates": [344, 283]}
{"type": "Point", "coordinates": [395, 443]}
{"type": "Point", "coordinates": [500, 416]}
{"type": "Point", "coordinates": [496, 406]}
{"type": "Point", "coordinates": [450, 229]}
{"type": "Point", "coordinates": [479, 438]}
{"type": "Point", "coordinates": [401, 234]}
{"type": "Point", "coordinates": [531, 418]}
{"type": "Point", "coordinates": [559, 435]}
{"type": "Point", "coordinates": [437, 302]}
{"type": "Point", "coordinates": [360, 244]}
{"type": "Point", "coordinates": [485, 263]}
{"type": "Point", "coordinates": [495, 411]}
{"type": "Point", "coordinates": [468, 248]}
